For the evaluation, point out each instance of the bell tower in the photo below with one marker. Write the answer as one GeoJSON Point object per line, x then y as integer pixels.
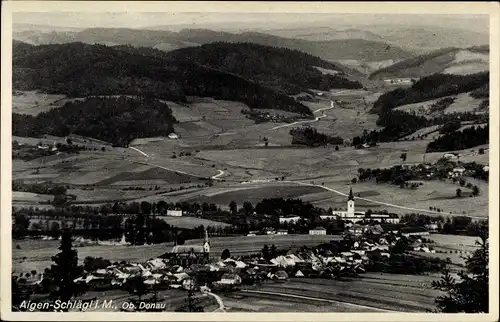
{"type": "Point", "coordinates": [206, 243]}
{"type": "Point", "coordinates": [350, 203]}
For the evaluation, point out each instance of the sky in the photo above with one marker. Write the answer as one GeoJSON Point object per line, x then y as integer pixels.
{"type": "Point", "coordinates": [262, 21]}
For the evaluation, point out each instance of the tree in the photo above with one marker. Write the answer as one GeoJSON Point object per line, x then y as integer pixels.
{"type": "Point", "coordinates": [470, 295]}
{"type": "Point", "coordinates": [336, 148]}
{"type": "Point", "coordinates": [59, 201]}
{"type": "Point", "coordinates": [135, 286]}
{"type": "Point", "coordinates": [233, 207]}
{"type": "Point", "coordinates": [65, 270]}
{"type": "Point", "coordinates": [403, 157]}
{"type": "Point", "coordinates": [248, 207]}
{"type": "Point", "coordinates": [225, 254]}
{"type": "Point", "coordinates": [459, 192]}
{"type": "Point", "coordinates": [191, 304]}
{"type": "Point", "coordinates": [475, 190]}
{"type": "Point", "coordinates": [273, 251]}
{"type": "Point", "coordinates": [265, 252]}
{"type": "Point", "coordinates": [462, 182]}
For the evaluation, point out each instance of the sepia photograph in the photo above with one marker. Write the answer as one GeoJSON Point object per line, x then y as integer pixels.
{"type": "Point", "coordinates": [249, 161]}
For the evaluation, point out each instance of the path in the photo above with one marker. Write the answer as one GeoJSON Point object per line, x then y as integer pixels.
{"type": "Point", "coordinates": [307, 121]}
{"type": "Point", "coordinates": [221, 308]}
{"type": "Point", "coordinates": [380, 202]}
{"type": "Point", "coordinates": [317, 299]}
{"type": "Point", "coordinates": [136, 149]}
{"type": "Point", "coordinates": [215, 177]}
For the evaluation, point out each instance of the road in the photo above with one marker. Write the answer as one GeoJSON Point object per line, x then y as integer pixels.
{"type": "Point", "coordinates": [380, 202]}
{"type": "Point", "coordinates": [221, 173]}
{"type": "Point", "coordinates": [307, 121]}
{"type": "Point", "coordinates": [215, 177]}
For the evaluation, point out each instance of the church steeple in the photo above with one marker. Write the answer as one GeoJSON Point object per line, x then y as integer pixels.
{"type": "Point", "coordinates": [351, 196]}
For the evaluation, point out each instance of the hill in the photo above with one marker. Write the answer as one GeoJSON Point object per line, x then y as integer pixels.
{"type": "Point", "coordinates": [115, 120]}
{"type": "Point", "coordinates": [79, 70]}
{"type": "Point", "coordinates": [414, 39]}
{"type": "Point", "coordinates": [331, 50]}
{"type": "Point", "coordinates": [457, 61]}
{"type": "Point", "coordinates": [431, 87]}
{"type": "Point", "coordinates": [289, 71]}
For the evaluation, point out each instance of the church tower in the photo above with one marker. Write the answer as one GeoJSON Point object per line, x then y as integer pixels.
{"type": "Point", "coordinates": [206, 243]}
{"type": "Point", "coordinates": [350, 203]}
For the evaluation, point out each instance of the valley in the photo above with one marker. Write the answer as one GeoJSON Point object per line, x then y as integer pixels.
{"type": "Point", "coordinates": [312, 169]}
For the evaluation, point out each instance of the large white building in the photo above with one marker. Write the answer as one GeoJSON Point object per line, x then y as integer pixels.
{"type": "Point", "coordinates": [317, 231]}
{"type": "Point", "coordinates": [289, 219]}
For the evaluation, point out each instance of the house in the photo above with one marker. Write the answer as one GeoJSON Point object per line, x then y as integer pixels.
{"type": "Point", "coordinates": [173, 136]}
{"type": "Point", "coordinates": [282, 232]}
{"type": "Point", "coordinates": [356, 229]}
{"type": "Point", "coordinates": [317, 231]}
{"type": "Point", "coordinates": [174, 213]}
{"type": "Point", "coordinates": [432, 227]}
{"type": "Point", "coordinates": [230, 279]}
{"type": "Point", "coordinates": [269, 231]}
{"type": "Point", "coordinates": [414, 231]}
{"type": "Point", "coordinates": [289, 219]}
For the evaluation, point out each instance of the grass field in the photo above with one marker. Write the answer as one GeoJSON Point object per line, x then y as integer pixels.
{"type": "Point", "coordinates": [403, 293]}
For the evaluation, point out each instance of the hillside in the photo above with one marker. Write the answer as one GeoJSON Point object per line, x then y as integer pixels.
{"type": "Point", "coordinates": [289, 71]}
{"type": "Point", "coordinates": [430, 87]}
{"type": "Point", "coordinates": [331, 50]}
{"type": "Point", "coordinates": [114, 120]}
{"type": "Point", "coordinates": [79, 70]}
{"type": "Point", "coordinates": [455, 61]}
{"type": "Point", "coordinates": [414, 39]}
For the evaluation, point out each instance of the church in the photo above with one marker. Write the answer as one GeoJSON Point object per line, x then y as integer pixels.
{"type": "Point", "coordinates": [352, 215]}
{"type": "Point", "coordinates": [187, 255]}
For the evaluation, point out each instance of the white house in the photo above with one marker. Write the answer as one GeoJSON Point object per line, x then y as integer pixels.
{"type": "Point", "coordinates": [289, 219]}
{"type": "Point", "coordinates": [174, 213]}
{"type": "Point", "coordinates": [173, 136]}
{"type": "Point", "coordinates": [282, 232]}
{"type": "Point", "coordinates": [317, 231]}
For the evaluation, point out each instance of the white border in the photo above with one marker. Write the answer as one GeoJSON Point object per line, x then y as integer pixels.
{"type": "Point", "coordinates": [227, 7]}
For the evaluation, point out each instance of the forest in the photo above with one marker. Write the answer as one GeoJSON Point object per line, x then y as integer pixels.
{"type": "Point", "coordinates": [460, 140]}
{"type": "Point", "coordinates": [259, 76]}
{"type": "Point", "coordinates": [430, 87]}
{"type": "Point", "coordinates": [115, 120]}
{"type": "Point", "coordinates": [311, 137]}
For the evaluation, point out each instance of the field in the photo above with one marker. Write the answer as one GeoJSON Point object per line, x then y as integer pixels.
{"type": "Point", "coordinates": [394, 292]}
{"type": "Point", "coordinates": [33, 103]}
{"type": "Point", "coordinates": [36, 254]}
{"type": "Point", "coordinates": [463, 103]}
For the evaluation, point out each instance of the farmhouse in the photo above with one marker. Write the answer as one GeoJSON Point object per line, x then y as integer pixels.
{"type": "Point", "coordinates": [282, 232]}
{"type": "Point", "coordinates": [173, 136]}
{"type": "Point", "coordinates": [187, 255]}
{"type": "Point", "coordinates": [414, 231]}
{"type": "Point", "coordinates": [317, 231]}
{"type": "Point", "coordinates": [174, 213]}
{"type": "Point", "coordinates": [289, 219]}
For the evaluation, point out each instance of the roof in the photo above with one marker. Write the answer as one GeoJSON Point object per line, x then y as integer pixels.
{"type": "Point", "coordinates": [187, 249]}
{"type": "Point", "coordinates": [319, 228]}
{"type": "Point", "coordinates": [413, 229]}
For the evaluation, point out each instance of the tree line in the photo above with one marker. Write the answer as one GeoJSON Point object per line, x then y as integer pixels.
{"type": "Point", "coordinates": [460, 140]}
{"type": "Point", "coordinates": [311, 137]}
